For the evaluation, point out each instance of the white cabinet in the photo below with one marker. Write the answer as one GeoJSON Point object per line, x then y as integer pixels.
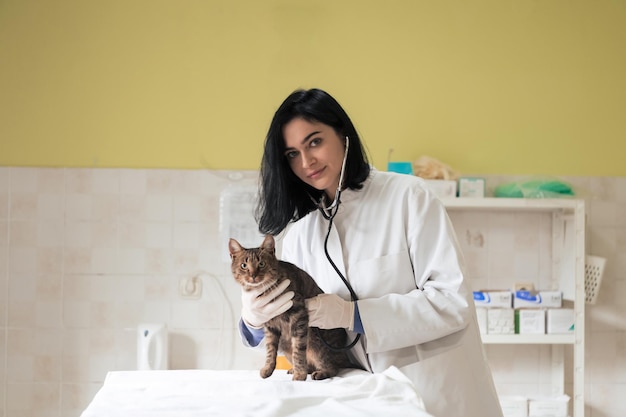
{"type": "Point", "coordinates": [545, 237]}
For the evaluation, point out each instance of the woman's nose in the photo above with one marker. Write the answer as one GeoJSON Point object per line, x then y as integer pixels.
{"type": "Point", "coordinates": [307, 160]}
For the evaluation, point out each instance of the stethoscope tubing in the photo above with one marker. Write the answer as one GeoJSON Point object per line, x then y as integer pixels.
{"type": "Point", "coordinates": [353, 296]}
{"type": "Point", "coordinates": [329, 214]}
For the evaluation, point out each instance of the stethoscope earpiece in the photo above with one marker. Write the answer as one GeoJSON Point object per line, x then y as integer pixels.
{"type": "Point", "coordinates": [327, 211]}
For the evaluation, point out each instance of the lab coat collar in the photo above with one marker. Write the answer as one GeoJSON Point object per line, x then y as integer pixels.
{"type": "Point", "coordinates": [349, 195]}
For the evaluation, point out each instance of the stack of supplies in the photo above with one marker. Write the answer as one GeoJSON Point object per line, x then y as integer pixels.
{"type": "Point", "coordinates": [523, 312]}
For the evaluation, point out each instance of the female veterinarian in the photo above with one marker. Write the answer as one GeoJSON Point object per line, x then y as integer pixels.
{"type": "Point", "coordinates": [379, 238]}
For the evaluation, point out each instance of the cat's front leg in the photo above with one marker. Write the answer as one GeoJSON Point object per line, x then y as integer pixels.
{"type": "Point", "coordinates": [272, 337]}
{"type": "Point", "coordinates": [299, 332]}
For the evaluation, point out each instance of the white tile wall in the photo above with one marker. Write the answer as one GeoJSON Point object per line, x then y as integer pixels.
{"type": "Point", "coordinates": [88, 254]}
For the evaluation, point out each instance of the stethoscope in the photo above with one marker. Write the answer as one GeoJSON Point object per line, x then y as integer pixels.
{"type": "Point", "coordinates": [329, 213]}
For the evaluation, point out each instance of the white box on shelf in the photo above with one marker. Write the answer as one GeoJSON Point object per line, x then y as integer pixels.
{"type": "Point", "coordinates": [500, 321]}
{"type": "Point", "coordinates": [548, 406]}
{"type": "Point", "coordinates": [481, 316]}
{"type": "Point", "coordinates": [514, 406]}
{"type": "Point", "coordinates": [471, 187]}
{"type": "Point", "coordinates": [442, 188]}
{"type": "Point", "coordinates": [538, 299]}
{"type": "Point", "coordinates": [531, 321]}
{"type": "Point", "coordinates": [493, 298]}
{"type": "Point", "coordinates": [560, 320]}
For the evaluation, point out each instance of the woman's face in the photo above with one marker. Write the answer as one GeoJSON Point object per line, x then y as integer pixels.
{"type": "Point", "coordinates": [315, 153]}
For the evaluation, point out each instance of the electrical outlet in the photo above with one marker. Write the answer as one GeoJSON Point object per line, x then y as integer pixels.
{"type": "Point", "coordinates": [190, 287]}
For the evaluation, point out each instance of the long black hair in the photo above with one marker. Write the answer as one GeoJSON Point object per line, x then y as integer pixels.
{"type": "Point", "coordinates": [283, 197]}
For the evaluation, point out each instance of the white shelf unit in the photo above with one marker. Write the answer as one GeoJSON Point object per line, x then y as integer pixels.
{"type": "Point", "coordinates": [568, 268]}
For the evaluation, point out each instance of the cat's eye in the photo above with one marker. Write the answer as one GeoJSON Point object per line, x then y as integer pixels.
{"type": "Point", "coordinates": [262, 264]}
{"type": "Point", "coordinates": [244, 266]}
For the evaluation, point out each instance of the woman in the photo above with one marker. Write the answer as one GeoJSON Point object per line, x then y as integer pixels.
{"type": "Point", "coordinates": [389, 238]}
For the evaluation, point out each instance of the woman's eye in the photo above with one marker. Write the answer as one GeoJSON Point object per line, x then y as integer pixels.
{"type": "Point", "coordinates": [291, 154]}
{"type": "Point", "coordinates": [262, 264]}
{"type": "Point", "coordinates": [315, 142]}
{"type": "Point", "coordinates": [244, 266]}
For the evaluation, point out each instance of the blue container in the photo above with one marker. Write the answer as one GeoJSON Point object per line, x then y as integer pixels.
{"type": "Point", "coordinates": [400, 167]}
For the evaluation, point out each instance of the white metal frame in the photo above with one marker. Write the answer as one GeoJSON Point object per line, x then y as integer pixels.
{"type": "Point", "coordinates": [568, 264]}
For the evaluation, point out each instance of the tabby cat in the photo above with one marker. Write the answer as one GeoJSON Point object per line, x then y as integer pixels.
{"type": "Point", "coordinates": [289, 332]}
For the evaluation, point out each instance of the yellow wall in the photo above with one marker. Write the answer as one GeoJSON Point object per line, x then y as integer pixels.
{"type": "Point", "coordinates": [487, 86]}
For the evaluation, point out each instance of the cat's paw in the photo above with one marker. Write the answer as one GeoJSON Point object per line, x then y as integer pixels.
{"type": "Point", "coordinates": [299, 376]}
{"type": "Point", "coordinates": [319, 375]}
{"type": "Point", "coordinates": [266, 371]}
{"type": "Point", "coordinates": [290, 371]}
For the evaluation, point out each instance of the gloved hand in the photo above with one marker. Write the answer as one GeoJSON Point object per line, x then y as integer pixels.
{"type": "Point", "coordinates": [329, 311]}
{"type": "Point", "coordinates": [258, 308]}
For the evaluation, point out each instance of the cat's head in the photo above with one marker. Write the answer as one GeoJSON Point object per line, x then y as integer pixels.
{"type": "Point", "coordinates": [252, 267]}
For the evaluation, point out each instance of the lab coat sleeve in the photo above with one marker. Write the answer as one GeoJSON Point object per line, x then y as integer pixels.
{"type": "Point", "coordinates": [439, 305]}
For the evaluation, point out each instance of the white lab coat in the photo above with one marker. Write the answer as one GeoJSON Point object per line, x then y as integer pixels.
{"type": "Point", "coordinates": [395, 244]}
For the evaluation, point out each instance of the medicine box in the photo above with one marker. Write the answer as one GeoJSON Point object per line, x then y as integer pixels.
{"type": "Point", "coordinates": [514, 406]}
{"type": "Point", "coordinates": [530, 321]}
{"type": "Point", "coordinates": [539, 299]}
{"type": "Point", "coordinates": [548, 406]}
{"type": "Point", "coordinates": [560, 320]}
{"type": "Point", "coordinates": [471, 187]}
{"type": "Point", "coordinates": [442, 188]}
{"type": "Point", "coordinates": [500, 321]}
{"type": "Point", "coordinates": [481, 316]}
{"type": "Point", "coordinates": [493, 299]}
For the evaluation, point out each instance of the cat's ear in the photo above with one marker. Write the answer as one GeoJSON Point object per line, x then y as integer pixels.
{"type": "Point", "coordinates": [234, 247]}
{"type": "Point", "coordinates": [268, 243]}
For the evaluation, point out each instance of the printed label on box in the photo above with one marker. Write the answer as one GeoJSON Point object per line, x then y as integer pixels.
{"type": "Point", "coordinates": [540, 299]}
{"type": "Point", "coordinates": [531, 321]}
{"type": "Point", "coordinates": [560, 320]}
{"type": "Point", "coordinates": [498, 299]}
{"type": "Point", "coordinates": [471, 187]}
{"type": "Point", "coordinates": [500, 321]}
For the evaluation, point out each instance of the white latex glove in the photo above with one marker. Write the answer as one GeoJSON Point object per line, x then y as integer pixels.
{"type": "Point", "coordinates": [329, 311]}
{"type": "Point", "coordinates": [258, 308]}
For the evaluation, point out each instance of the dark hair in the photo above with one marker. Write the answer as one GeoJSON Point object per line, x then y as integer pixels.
{"type": "Point", "coordinates": [283, 197]}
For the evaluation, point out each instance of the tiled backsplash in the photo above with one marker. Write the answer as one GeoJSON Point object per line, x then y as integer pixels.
{"type": "Point", "coordinates": [88, 254]}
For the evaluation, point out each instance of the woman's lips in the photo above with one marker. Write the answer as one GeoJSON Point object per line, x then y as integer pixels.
{"type": "Point", "coordinates": [316, 174]}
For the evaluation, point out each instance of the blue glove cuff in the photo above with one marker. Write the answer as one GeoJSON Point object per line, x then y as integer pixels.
{"type": "Point", "coordinates": [252, 336]}
{"type": "Point", "coordinates": [358, 325]}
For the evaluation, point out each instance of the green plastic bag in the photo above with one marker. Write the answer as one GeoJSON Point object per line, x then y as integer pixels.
{"type": "Point", "coordinates": [534, 189]}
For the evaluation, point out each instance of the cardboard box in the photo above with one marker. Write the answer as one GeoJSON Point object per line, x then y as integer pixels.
{"type": "Point", "coordinates": [493, 299]}
{"type": "Point", "coordinates": [548, 406]}
{"type": "Point", "coordinates": [538, 299]}
{"type": "Point", "coordinates": [530, 321]}
{"type": "Point", "coordinates": [500, 321]}
{"type": "Point", "coordinates": [560, 320]}
{"type": "Point", "coordinates": [442, 188]}
{"type": "Point", "coordinates": [514, 406]}
{"type": "Point", "coordinates": [471, 187]}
